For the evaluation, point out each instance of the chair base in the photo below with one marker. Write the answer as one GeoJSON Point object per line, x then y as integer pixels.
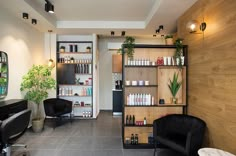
{"type": "Point", "coordinates": [7, 150]}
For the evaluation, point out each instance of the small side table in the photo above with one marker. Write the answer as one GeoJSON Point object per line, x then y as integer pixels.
{"type": "Point", "coordinates": [213, 152]}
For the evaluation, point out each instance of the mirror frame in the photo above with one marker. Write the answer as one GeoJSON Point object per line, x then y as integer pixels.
{"type": "Point", "coordinates": [4, 61]}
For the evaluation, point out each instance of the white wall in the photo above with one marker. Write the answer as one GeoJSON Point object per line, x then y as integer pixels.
{"type": "Point", "coordinates": [105, 67]}
{"type": "Point", "coordinates": [24, 46]}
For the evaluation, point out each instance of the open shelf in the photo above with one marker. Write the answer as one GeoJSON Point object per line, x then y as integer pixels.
{"type": "Point", "coordinates": [141, 86]}
{"type": "Point", "coordinates": [76, 53]}
{"type": "Point", "coordinates": [139, 146]}
{"type": "Point", "coordinates": [147, 125]}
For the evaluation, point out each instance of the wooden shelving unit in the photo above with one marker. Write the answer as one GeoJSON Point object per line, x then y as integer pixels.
{"type": "Point", "coordinates": [75, 67]}
{"type": "Point", "coordinates": [158, 77]}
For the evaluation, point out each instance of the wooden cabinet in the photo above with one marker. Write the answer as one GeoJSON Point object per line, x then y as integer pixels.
{"type": "Point", "coordinates": [116, 63]}
{"type": "Point", "coordinates": [74, 75]}
{"type": "Point", "coordinates": [145, 83]}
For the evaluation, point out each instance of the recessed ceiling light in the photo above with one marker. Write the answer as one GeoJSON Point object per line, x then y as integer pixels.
{"type": "Point", "coordinates": [34, 21]}
{"type": "Point", "coordinates": [25, 15]}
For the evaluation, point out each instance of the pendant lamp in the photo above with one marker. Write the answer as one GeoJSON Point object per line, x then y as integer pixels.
{"type": "Point", "coordinates": [51, 63]}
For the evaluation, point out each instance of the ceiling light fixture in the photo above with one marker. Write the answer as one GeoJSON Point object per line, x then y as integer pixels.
{"type": "Point", "coordinates": [123, 33]}
{"type": "Point", "coordinates": [157, 31]}
{"type": "Point", "coordinates": [34, 21]}
{"type": "Point", "coordinates": [112, 33]}
{"type": "Point", "coordinates": [49, 7]}
{"type": "Point", "coordinates": [25, 15]}
{"type": "Point", "coordinates": [161, 27]}
{"type": "Point", "coordinates": [51, 63]}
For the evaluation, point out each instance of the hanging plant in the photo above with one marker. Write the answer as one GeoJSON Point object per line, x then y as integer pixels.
{"type": "Point", "coordinates": [179, 51]}
{"type": "Point", "coordinates": [129, 46]}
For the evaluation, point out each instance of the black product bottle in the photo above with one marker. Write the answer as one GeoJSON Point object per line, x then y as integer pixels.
{"type": "Point", "coordinates": [136, 139]}
{"type": "Point", "coordinates": [133, 122]}
{"type": "Point", "coordinates": [130, 120]}
{"type": "Point", "coordinates": [76, 48]}
{"type": "Point", "coordinates": [71, 48]}
{"type": "Point", "coordinates": [81, 69]}
{"type": "Point", "coordinates": [132, 139]}
{"type": "Point", "coordinates": [85, 69]}
{"type": "Point", "coordinates": [127, 120]}
{"type": "Point", "coordinates": [78, 70]}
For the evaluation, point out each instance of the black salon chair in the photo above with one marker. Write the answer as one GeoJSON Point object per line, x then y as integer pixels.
{"type": "Point", "coordinates": [180, 133]}
{"type": "Point", "coordinates": [55, 107]}
{"type": "Point", "coordinates": [11, 129]}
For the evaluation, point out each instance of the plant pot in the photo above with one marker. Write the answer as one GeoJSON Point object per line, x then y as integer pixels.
{"type": "Point", "coordinates": [182, 60]}
{"type": "Point", "coordinates": [177, 61]}
{"type": "Point", "coordinates": [37, 125]}
{"type": "Point", "coordinates": [169, 41]}
{"type": "Point", "coordinates": [174, 100]}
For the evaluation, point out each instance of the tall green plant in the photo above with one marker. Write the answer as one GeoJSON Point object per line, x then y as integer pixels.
{"type": "Point", "coordinates": [36, 83]}
{"type": "Point", "coordinates": [174, 85]}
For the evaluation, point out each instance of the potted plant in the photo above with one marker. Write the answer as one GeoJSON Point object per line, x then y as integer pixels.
{"type": "Point", "coordinates": [62, 49]}
{"type": "Point", "coordinates": [88, 49]}
{"type": "Point", "coordinates": [129, 46]}
{"type": "Point", "coordinates": [174, 87]}
{"type": "Point", "coordinates": [169, 39]}
{"type": "Point", "coordinates": [179, 52]}
{"type": "Point", "coordinates": [36, 83]}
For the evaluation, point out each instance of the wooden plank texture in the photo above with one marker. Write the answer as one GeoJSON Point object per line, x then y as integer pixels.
{"type": "Point", "coordinates": [211, 72]}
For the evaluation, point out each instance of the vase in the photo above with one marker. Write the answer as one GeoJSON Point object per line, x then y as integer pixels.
{"type": "Point", "coordinates": [174, 100]}
{"type": "Point", "coordinates": [182, 60]}
{"type": "Point", "coordinates": [177, 61]}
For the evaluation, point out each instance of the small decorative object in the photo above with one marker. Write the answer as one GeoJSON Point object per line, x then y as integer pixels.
{"type": "Point", "coordinates": [169, 39]}
{"type": "Point", "coordinates": [174, 87]}
{"type": "Point", "coordinates": [62, 49]}
{"type": "Point", "coordinates": [88, 49]}
{"type": "Point", "coordinates": [161, 101]}
{"type": "Point", "coordinates": [72, 60]}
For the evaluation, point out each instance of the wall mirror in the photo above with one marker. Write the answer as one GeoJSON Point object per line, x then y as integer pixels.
{"type": "Point", "coordinates": [3, 74]}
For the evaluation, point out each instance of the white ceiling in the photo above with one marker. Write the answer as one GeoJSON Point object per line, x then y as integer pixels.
{"type": "Point", "coordinates": [136, 17]}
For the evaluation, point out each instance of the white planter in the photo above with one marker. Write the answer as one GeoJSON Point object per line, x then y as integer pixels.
{"type": "Point", "coordinates": [177, 61]}
{"type": "Point", "coordinates": [182, 60]}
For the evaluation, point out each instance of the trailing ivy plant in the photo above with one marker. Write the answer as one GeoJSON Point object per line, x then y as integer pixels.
{"type": "Point", "coordinates": [129, 48]}
{"type": "Point", "coordinates": [36, 83]}
{"type": "Point", "coordinates": [179, 50]}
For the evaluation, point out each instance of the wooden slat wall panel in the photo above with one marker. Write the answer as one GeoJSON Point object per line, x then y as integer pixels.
{"type": "Point", "coordinates": [212, 70]}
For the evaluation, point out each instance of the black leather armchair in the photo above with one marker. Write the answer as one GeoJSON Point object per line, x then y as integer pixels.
{"type": "Point", "coordinates": [56, 107]}
{"type": "Point", "coordinates": [181, 133]}
{"type": "Point", "coordinates": [12, 128]}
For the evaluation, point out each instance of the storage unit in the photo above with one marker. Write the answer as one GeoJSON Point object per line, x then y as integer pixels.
{"type": "Point", "coordinates": [75, 75]}
{"type": "Point", "coordinates": [145, 81]}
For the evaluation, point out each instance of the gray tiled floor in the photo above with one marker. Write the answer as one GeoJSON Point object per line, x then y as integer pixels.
{"type": "Point", "coordinates": [100, 137]}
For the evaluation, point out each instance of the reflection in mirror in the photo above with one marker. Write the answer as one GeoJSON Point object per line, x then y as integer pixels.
{"type": "Point", "coordinates": [3, 74]}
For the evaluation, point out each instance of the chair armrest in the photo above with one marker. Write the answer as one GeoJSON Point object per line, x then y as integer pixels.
{"type": "Point", "coordinates": [194, 141]}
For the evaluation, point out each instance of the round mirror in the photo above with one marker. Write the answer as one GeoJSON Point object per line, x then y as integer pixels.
{"type": "Point", "coordinates": [3, 74]}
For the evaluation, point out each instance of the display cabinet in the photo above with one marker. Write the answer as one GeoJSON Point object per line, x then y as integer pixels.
{"type": "Point", "coordinates": [146, 95]}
